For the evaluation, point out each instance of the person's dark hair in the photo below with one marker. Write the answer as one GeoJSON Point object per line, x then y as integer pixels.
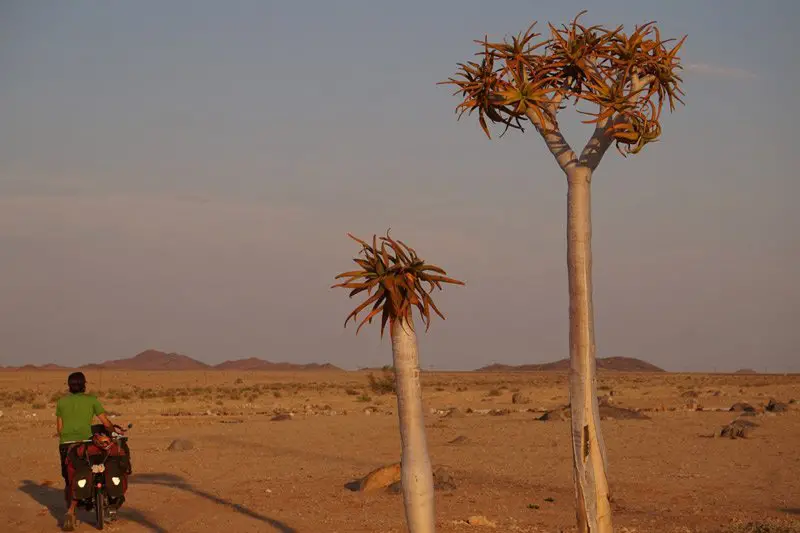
{"type": "Point", "coordinates": [76, 382]}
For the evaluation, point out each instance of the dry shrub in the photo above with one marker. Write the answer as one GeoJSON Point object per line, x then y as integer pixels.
{"type": "Point", "coordinates": [384, 384]}
{"type": "Point", "coordinates": [770, 525]}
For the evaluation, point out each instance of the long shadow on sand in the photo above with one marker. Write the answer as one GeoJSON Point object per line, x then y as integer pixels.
{"type": "Point", "coordinates": [53, 499]}
{"type": "Point", "coordinates": [791, 511]}
{"type": "Point", "coordinates": [177, 482]}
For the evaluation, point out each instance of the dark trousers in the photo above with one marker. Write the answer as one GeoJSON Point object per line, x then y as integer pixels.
{"type": "Point", "coordinates": [63, 449]}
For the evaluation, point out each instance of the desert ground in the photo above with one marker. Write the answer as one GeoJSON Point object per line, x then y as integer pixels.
{"type": "Point", "coordinates": [248, 472]}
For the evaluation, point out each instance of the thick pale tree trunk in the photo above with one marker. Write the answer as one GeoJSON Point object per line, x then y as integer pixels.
{"type": "Point", "coordinates": [417, 476]}
{"type": "Point", "coordinates": [588, 448]}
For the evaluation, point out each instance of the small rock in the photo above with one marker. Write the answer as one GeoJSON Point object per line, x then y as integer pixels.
{"type": "Point", "coordinates": [621, 413]}
{"type": "Point", "coordinates": [738, 429]}
{"type": "Point", "coordinates": [480, 520]}
{"type": "Point", "coordinates": [461, 439]}
{"type": "Point", "coordinates": [499, 412]}
{"type": "Point", "coordinates": [742, 406]}
{"type": "Point", "coordinates": [455, 412]}
{"type": "Point", "coordinates": [380, 478]}
{"type": "Point", "coordinates": [519, 398]}
{"type": "Point", "coordinates": [281, 417]}
{"type": "Point", "coordinates": [442, 480]}
{"type": "Point", "coordinates": [555, 414]}
{"type": "Point", "coordinates": [180, 445]}
{"type": "Point", "coordinates": [776, 407]}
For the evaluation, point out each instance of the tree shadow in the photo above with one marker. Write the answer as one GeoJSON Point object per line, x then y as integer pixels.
{"type": "Point", "coordinates": [795, 510]}
{"type": "Point", "coordinates": [177, 482]}
{"type": "Point", "coordinates": [53, 499]}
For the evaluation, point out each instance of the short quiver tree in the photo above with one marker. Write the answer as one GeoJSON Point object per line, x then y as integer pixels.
{"type": "Point", "coordinates": [393, 275]}
{"type": "Point", "coordinates": [626, 79]}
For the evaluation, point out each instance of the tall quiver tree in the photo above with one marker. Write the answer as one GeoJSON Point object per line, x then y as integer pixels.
{"type": "Point", "coordinates": [392, 276]}
{"type": "Point", "coordinates": [626, 79]}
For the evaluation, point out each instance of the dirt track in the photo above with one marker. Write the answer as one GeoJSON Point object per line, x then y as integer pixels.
{"type": "Point", "coordinates": [247, 473]}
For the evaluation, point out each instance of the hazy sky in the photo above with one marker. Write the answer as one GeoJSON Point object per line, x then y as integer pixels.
{"type": "Point", "coordinates": [181, 175]}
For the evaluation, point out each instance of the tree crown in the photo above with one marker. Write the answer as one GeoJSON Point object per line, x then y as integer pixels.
{"type": "Point", "coordinates": [628, 77]}
{"type": "Point", "coordinates": [396, 273]}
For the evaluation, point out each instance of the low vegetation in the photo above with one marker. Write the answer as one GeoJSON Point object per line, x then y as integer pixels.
{"type": "Point", "coordinates": [772, 525]}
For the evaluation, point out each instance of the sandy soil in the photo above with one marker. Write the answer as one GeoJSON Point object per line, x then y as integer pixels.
{"type": "Point", "coordinates": [248, 473]}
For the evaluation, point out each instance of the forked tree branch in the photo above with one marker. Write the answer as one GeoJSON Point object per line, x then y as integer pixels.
{"type": "Point", "coordinates": [556, 143]}
{"type": "Point", "coordinates": [598, 143]}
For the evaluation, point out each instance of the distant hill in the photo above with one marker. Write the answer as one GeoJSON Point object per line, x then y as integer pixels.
{"type": "Point", "coordinates": [152, 360]}
{"type": "Point", "coordinates": [49, 366]}
{"type": "Point", "coordinates": [617, 364]}
{"type": "Point", "coordinates": [158, 360]}
{"type": "Point", "coordinates": [253, 363]}
{"type": "Point", "coordinates": [746, 371]}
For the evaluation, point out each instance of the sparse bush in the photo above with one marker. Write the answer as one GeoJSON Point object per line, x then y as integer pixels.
{"type": "Point", "coordinates": [38, 405]}
{"type": "Point", "coordinates": [384, 384]}
{"type": "Point", "coordinates": [351, 392]}
{"type": "Point", "coordinates": [25, 396]}
{"type": "Point", "coordinates": [118, 394]}
{"type": "Point", "coordinates": [277, 393]}
{"type": "Point", "coordinates": [494, 392]}
{"type": "Point", "coordinates": [364, 398]}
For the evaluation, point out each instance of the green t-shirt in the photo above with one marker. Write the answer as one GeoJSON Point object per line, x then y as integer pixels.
{"type": "Point", "coordinates": [77, 412]}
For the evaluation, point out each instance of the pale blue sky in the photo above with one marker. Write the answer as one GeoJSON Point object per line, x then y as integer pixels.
{"type": "Point", "coordinates": [181, 175]}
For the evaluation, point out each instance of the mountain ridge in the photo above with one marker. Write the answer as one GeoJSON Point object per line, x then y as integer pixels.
{"type": "Point", "coordinates": [616, 364]}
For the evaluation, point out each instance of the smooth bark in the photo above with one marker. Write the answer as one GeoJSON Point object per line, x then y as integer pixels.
{"type": "Point", "coordinates": [416, 472]}
{"type": "Point", "coordinates": [588, 448]}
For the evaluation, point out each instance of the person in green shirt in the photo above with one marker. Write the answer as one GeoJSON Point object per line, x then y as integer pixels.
{"type": "Point", "coordinates": [74, 415]}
